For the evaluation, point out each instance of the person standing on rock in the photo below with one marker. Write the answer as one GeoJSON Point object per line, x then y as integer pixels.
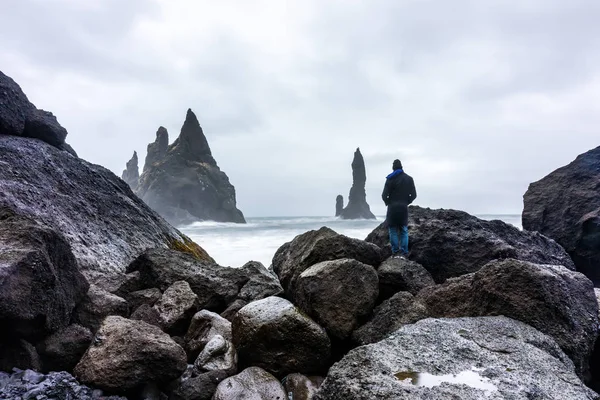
{"type": "Point", "coordinates": [399, 191]}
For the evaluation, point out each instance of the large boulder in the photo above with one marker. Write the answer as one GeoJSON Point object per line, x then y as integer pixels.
{"type": "Point", "coordinates": [337, 294]}
{"type": "Point", "coordinates": [176, 307]}
{"type": "Point", "coordinates": [126, 355]}
{"type": "Point", "coordinates": [275, 335]}
{"type": "Point", "coordinates": [97, 305]}
{"type": "Point", "coordinates": [62, 350]}
{"type": "Point", "coordinates": [556, 301]}
{"type": "Point", "coordinates": [253, 384]}
{"type": "Point", "coordinates": [185, 184]}
{"type": "Point", "coordinates": [105, 224]}
{"type": "Point", "coordinates": [261, 282]}
{"type": "Point", "coordinates": [451, 243]}
{"type": "Point", "coordinates": [40, 283]}
{"type": "Point", "coordinates": [399, 310]}
{"type": "Point", "coordinates": [565, 206]}
{"type": "Point", "coordinates": [205, 325]}
{"type": "Point", "coordinates": [316, 246]}
{"type": "Point", "coordinates": [398, 275]}
{"type": "Point", "coordinates": [357, 207]}
{"type": "Point", "coordinates": [461, 358]}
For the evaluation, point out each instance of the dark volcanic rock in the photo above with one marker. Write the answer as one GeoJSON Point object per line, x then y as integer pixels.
{"type": "Point", "coordinates": [398, 275]}
{"type": "Point", "coordinates": [399, 310]}
{"type": "Point", "coordinates": [106, 225]}
{"type": "Point", "coordinates": [552, 299]}
{"type": "Point", "coordinates": [63, 350]}
{"type": "Point", "coordinates": [357, 207]}
{"type": "Point", "coordinates": [157, 149]}
{"type": "Point", "coordinates": [261, 282]}
{"type": "Point", "coordinates": [476, 358]}
{"type": "Point", "coordinates": [313, 247]}
{"type": "Point", "coordinates": [176, 307]}
{"type": "Point", "coordinates": [251, 383]}
{"type": "Point", "coordinates": [139, 297]}
{"type": "Point", "coordinates": [128, 354]}
{"type": "Point", "coordinates": [43, 125]}
{"type": "Point", "coordinates": [19, 354]}
{"type": "Point", "coordinates": [218, 355]}
{"type": "Point", "coordinates": [201, 387]}
{"type": "Point", "coordinates": [131, 174]}
{"type": "Point", "coordinates": [185, 184]}
{"type": "Point", "coordinates": [302, 387]}
{"type": "Point", "coordinates": [273, 334]}
{"type": "Point", "coordinates": [97, 305]}
{"type": "Point", "coordinates": [205, 325]}
{"type": "Point", "coordinates": [451, 243]}
{"type": "Point", "coordinates": [565, 205]}
{"type": "Point", "coordinates": [339, 205]}
{"type": "Point", "coordinates": [337, 294]}
{"type": "Point", "coordinates": [39, 280]}
{"type": "Point", "coordinates": [147, 314]}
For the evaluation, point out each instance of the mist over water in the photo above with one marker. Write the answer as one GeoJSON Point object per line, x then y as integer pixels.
{"type": "Point", "coordinates": [235, 244]}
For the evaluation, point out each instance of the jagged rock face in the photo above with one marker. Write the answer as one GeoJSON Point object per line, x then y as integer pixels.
{"type": "Point", "coordinates": [450, 243]}
{"type": "Point", "coordinates": [131, 174]}
{"type": "Point", "coordinates": [157, 150]}
{"type": "Point", "coordinates": [339, 205]}
{"type": "Point", "coordinates": [504, 359]}
{"type": "Point", "coordinates": [565, 205]}
{"type": "Point", "coordinates": [186, 185]}
{"type": "Point", "coordinates": [357, 207]}
{"type": "Point", "coordinates": [86, 203]}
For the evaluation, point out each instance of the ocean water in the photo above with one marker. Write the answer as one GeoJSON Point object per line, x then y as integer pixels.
{"type": "Point", "coordinates": [235, 244]}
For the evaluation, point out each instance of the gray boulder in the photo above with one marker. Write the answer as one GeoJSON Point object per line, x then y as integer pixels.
{"type": "Point", "coordinates": [176, 307]}
{"type": "Point", "coordinates": [450, 243]}
{"type": "Point", "coordinates": [218, 355]}
{"type": "Point", "coordinates": [127, 354]}
{"type": "Point", "coordinates": [275, 335]}
{"type": "Point", "coordinates": [147, 314]}
{"type": "Point", "coordinates": [97, 305]}
{"type": "Point", "coordinates": [251, 384]}
{"type": "Point", "coordinates": [131, 174]}
{"type": "Point", "coordinates": [62, 350]}
{"type": "Point", "coordinates": [40, 283]}
{"type": "Point", "coordinates": [399, 275]}
{"type": "Point", "coordinates": [145, 296]}
{"type": "Point", "coordinates": [461, 358]}
{"type": "Point", "coordinates": [205, 325]}
{"type": "Point", "coordinates": [357, 207]}
{"type": "Point", "coordinates": [261, 283]}
{"type": "Point", "coordinates": [399, 310]}
{"type": "Point", "coordinates": [337, 294]}
{"type": "Point", "coordinates": [556, 301]}
{"type": "Point", "coordinates": [313, 247]}
{"type": "Point", "coordinates": [301, 387]}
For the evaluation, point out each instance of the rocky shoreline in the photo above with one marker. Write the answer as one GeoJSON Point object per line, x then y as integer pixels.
{"type": "Point", "coordinates": [100, 298]}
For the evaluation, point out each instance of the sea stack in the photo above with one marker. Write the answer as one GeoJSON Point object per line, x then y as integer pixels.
{"type": "Point", "coordinates": [184, 183]}
{"type": "Point", "coordinates": [339, 205]}
{"type": "Point", "coordinates": [357, 202]}
{"type": "Point", "coordinates": [565, 206]}
{"type": "Point", "coordinates": [131, 174]}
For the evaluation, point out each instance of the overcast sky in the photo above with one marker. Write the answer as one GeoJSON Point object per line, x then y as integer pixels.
{"type": "Point", "coordinates": [478, 98]}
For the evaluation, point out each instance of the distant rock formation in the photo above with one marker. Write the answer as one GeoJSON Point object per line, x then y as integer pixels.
{"type": "Point", "coordinates": [157, 149]}
{"type": "Point", "coordinates": [357, 207]}
{"type": "Point", "coordinates": [131, 174]}
{"type": "Point", "coordinates": [184, 183]}
{"type": "Point", "coordinates": [339, 205]}
{"type": "Point", "coordinates": [565, 206]}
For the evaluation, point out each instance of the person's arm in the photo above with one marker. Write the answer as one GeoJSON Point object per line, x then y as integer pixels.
{"type": "Point", "coordinates": [413, 191]}
{"type": "Point", "coordinates": [386, 192]}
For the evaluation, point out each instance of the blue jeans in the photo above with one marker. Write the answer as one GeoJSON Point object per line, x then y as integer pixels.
{"type": "Point", "coordinates": [399, 244]}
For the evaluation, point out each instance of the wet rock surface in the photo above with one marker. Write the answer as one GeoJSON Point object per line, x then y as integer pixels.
{"type": "Point", "coordinates": [485, 357]}
{"type": "Point", "coordinates": [273, 334]}
{"type": "Point", "coordinates": [399, 275]}
{"type": "Point", "coordinates": [63, 350]}
{"type": "Point", "coordinates": [337, 294]}
{"type": "Point", "coordinates": [252, 383]}
{"type": "Point", "coordinates": [176, 307]}
{"type": "Point", "coordinates": [450, 243]}
{"type": "Point", "coordinates": [205, 325]}
{"type": "Point", "coordinates": [217, 355]}
{"type": "Point", "coordinates": [261, 283]}
{"type": "Point", "coordinates": [357, 207]}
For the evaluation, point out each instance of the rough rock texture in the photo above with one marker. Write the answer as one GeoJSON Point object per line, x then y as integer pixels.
{"type": "Point", "coordinates": [18, 353]}
{"type": "Point", "coordinates": [339, 205]}
{"type": "Point", "coordinates": [157, 149]}
{"type": "Point", "coordinates": [147, 314]}
{"type": "Point", "coordinates": [87, 204]}
{"type": "Point", "coordinates": [316, 246]}
{"type": "Point", "coordinates": [201, 387]}
{"type": "Point", "coordinates": [337, 294]}
{"type": "Point", "coordinates": [43, 125]}
{"type": "Point", "coordinates": [54, 386]}
{"type": "Point", "coordinates": [233, 308]}
{"type": "Point", "coordinates": [39, 280]}
{"type": "Point", "coordinates": [302, 387]}
{"type": "Point", "coordinates": [186, 185]}
{"type": "Point", "coordinates": [252, 384]}
{"type": "Point", "coordinates": [177, 306]}
{"type": "Point", "coordinates": [204, 326]}
{"type": "Point", "coordinates": [357, 207]}
{"type": "Point", "coordinates": [451, 243]}
{"type": "Point", "coordinates": [261, 283]}
{"type": "Point", "coordinates": [273, 334]}
{"type": "Point", "coordinates": [399, 275]}
{"type": "Point", "coordinates": [565, 206]}
{"type": "Point", "coordinates": [496, 357]}
{"type": "Point", "coordinates": [131, 174]}
{"type": "Point", "coordinates": [145, 296]}
{"type": "Point", "coordinates": [218, 355]}
{"type": "Point", "coordinates": [556, 301]}
{"type": "Point", "coordinates": [97, 305]}
{"type": "Point", "coordinates": [127, 354]}
{"type": "Point", "coordinates": [399, 310]}
{"type": "Point", "coordinates": [63, 350]}
{"type": "Point", "coordinates": [216, 287]}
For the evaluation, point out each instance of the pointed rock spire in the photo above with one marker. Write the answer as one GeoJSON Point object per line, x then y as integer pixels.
{"type": "Point", "coordinates": [357, 202]}
{"type": "Point", "coordinates": [157, 149]}
{"type": "Point", "coordinates": [131, 174]}
{"type": "Point", "coordinates": [339, 205]}
{"type": "Point", "coordinates": [191, 143]}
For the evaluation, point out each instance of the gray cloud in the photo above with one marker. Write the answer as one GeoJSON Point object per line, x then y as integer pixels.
{"type": "Point", "coordinates": [477, 98]}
